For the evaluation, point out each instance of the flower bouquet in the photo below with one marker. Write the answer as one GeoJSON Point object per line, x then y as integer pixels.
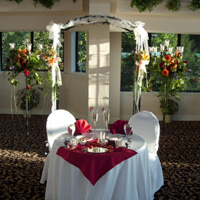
{"type": "Point", "coordinates": [168, 74]}
{"type": "Point", "coordinates": [28, 63]}
{"type": "Point", "coordinates": [141, 59]}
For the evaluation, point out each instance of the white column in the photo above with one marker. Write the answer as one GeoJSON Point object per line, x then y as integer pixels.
{"type": "Point", "coordinates": [98, 69]}
{"type": "Point", "coordinates": [115, 75]}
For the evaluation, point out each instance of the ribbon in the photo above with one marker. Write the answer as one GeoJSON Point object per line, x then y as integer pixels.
{"type": "Point", "coordinates": [54, 34]}
{"type": "Point", "coordinates": [141, 37]}
{"type": "Point", "coordinates": [141, 71]}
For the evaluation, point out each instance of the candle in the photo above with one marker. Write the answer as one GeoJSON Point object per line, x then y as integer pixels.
{"type": "Point", "coordinates": [12, 45]}
{"type": "Point", "coordinates": [29, 46]}
{"type": "Point", "coordinates": [162, 47]}
{"type": "Point", "coordinates": [40, 46]}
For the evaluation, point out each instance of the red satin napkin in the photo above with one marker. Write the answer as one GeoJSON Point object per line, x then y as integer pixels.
{"type": "Point", "coordinates": [118, 127]}
{"type": "Point", "coordinates": [95, 165]}
{"type": "Point", "coordinates": [82, 126]}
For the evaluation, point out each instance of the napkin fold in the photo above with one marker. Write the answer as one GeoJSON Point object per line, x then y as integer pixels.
{"type": "Point", "coordinates": [118, 127]}
{"type": "Point", "coordinates": [82, 126]}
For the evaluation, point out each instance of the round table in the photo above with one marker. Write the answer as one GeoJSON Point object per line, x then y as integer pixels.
{"type": "Point", "coordinates": [131, 179]}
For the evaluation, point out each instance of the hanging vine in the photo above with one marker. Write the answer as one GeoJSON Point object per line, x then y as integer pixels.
{"type": "Point", "coordinates": [46, 3]}
{"type": "Point", "coordinates": [171, 5]}
{"type": "Point", "coordinates": [195, 5]}
{"type": "Point", "coordinates": [143, 5]}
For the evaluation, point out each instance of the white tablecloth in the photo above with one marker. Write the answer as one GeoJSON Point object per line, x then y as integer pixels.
{"type": "Point", "coordinates": [129, 180]}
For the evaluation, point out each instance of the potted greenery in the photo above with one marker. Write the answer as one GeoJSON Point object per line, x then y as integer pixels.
{"type": "Point", "coordinates": [33, 97]}
{"type": "Point", "coordinates": [168, 107]}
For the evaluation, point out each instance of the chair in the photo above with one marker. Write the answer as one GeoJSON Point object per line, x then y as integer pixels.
{"type": "Point", "coordinates": [146, 125]}
{"type": "Point", "coordinates": [57, 124]}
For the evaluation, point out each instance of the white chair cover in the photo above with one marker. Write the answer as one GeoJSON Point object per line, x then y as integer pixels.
{"type": "Point", "coordinates": [57, 124]}
{"type": "Point", "coordinates": [146, 125]}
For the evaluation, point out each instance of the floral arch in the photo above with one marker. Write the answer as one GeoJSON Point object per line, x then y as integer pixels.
{"type": "Point", "coordinates": [141, 37]}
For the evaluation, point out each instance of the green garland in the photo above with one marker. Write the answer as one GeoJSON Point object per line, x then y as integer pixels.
{"type": "Point", "coordinates": [195, 5]}
{"type": "Point", "coordinates": [143, 5]}
{"type": "Point", "coordinates": [45, 3]}
{"type": "Point", "coordinates": [171, 5]}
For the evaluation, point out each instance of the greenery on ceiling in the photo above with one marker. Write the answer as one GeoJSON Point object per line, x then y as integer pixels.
{"type": "Point", "coordinates": [171, 5]}
{"type": "Point", "coordinates": [141, 5]}
{"type": "Point", "coordinates": [45, 3]}
{"type": "Point", "coordinates": [195, 5]}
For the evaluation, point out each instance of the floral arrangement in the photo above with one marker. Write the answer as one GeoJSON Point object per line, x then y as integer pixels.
{"type": "Point", "coordinates": [168, 73]}
{"type": "Point", "coordinates": [29, 63]}
{"type": "Point", "coordinates": [141, 56]}
{"type": "Point", "coordinates": [141, 59]}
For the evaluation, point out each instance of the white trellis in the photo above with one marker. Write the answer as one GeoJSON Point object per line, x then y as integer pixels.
{"type": "Point", "coordinates": [141, 38]}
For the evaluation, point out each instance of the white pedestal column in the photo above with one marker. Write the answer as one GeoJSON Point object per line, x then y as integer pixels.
{"type": "Point", "coordinates": [98, 69]}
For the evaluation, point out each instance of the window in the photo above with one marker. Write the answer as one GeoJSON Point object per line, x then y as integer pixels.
{"type": "Point", "coordinates": [11, 37]}
{"type": "Point", "coordinates": [159, 38]}
{"type": "Point", "coordinates": [35, 38]}
{"type": "Point", "coordinates": [191, 53]}
{"type": "Point", "coordinates": [127, 61]}
{"type": "Point", "coordinates": [78, 51]}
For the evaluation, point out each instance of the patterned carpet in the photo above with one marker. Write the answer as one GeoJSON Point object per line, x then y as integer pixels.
{"type": "Point", "coordinates": [22, 158]}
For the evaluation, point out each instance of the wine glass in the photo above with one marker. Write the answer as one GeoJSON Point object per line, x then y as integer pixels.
{"type": "Point", "coordinates": [128, 132]}
{"type": "Point", "coordinates": [71, 129]}
{"type": "Point", "coordinates": [106, 117]}
{"type": "Point", "coordinates": [94, 117]}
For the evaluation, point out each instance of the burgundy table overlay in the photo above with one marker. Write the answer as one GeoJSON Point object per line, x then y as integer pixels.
{"type": "Point", "coordinates": [95, 165]}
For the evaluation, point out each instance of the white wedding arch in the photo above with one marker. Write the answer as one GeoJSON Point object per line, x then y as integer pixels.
{"type": "Point", "coordinates": [141, 37]}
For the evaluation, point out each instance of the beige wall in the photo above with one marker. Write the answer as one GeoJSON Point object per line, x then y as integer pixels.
{"type": "Point", "coordinates": [189, 108]}
{"type": "Point", "coordinates": [74, 91]}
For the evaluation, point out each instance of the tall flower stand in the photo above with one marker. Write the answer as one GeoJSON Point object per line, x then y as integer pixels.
{"type": "Point", "coordinates": [27, 117]}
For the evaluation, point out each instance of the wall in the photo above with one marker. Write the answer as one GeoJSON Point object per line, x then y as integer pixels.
{"type": "Point", "coordinates": [73, 92]}
{"type": "Point", "coordinates": [189, 109]}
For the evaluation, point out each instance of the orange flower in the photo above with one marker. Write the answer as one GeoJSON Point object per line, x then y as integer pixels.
{"type": "Point", "coordinates": [173, 67]}
{"type": "Point", "coordinates": [25, 51]}
{"type": "Point", "coordinates": [51, 61]}
{"type": "Point", "coordinates": [165, 72]}
{"type": "Point", "coordinates": [176, 53]}
{"type": "Point", "coordinates": [168, 57]}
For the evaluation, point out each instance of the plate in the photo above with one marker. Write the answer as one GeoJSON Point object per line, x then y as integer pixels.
{"type": "Point", "coordinates": [115, 136]}
{"type": "Point", "coordinates": [82, 139]}
{"type": "Point", "coordinates": [96, 150]}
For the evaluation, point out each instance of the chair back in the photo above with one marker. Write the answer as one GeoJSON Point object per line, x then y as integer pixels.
{"type": "Point", "coordinates": [146, 125]}
{"type": "Point", "coordinates": [57, 124]}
